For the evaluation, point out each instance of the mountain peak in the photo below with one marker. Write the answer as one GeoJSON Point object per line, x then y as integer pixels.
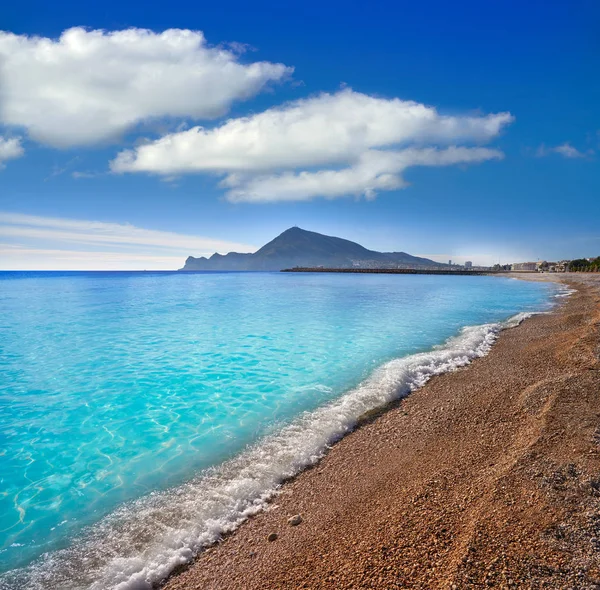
{"type": "Point", "coordinates": [294, 231]}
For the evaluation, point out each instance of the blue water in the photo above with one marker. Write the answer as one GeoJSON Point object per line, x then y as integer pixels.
{"type": "Point", "coordinates": [116, 385]}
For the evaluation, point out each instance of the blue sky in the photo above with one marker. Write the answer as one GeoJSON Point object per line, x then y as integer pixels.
{"type": "Point", "coordinates": [461, 130]}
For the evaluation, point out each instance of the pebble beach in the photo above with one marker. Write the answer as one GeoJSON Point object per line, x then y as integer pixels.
{"type": "Point", "coordinates": [488, 476]}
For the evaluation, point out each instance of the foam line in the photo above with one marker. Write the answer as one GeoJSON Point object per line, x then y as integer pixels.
{"type": "Point", "coordinates": [143, 541]}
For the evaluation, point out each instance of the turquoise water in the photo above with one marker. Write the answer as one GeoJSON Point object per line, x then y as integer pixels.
{"type": "Point", "coordinates": [128, 399]}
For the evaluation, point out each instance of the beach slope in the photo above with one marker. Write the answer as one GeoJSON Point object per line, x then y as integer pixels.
{"type": "Point", "coordinates": [486, 477]}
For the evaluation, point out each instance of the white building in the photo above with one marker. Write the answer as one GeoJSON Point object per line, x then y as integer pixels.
{"type": "Point", "coordinates": [524, 266]}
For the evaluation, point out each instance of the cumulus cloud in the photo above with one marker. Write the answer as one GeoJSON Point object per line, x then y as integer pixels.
{"type": "Point", "coordinates": [375, 171]}
{"type": "Point", "coordinates": [362, 141]}
{"type": "Point", "coordinates": [92, 86]}
{"type": "Point", "coordinates": [566, 150]}
{"type": "Point", "coordinates": [330, 128]}
{"type": "Point", "coordinates": [10, 148]}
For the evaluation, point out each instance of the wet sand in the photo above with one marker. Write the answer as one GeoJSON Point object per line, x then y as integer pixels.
{"type": "Point", "coordinates": [488, 476]}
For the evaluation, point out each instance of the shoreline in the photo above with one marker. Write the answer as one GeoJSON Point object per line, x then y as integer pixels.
{"type": "Point", "coordinates": [202, 511]}
{"type": "Point", "coordinates": [358, 531]}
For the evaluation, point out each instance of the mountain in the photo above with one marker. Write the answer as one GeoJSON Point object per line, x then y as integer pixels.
{"type": "Point", "coordinates": [299, 247]}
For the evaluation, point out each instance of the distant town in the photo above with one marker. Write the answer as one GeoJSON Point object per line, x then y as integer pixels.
{"type": "Point", "coordinates": [578, 265]}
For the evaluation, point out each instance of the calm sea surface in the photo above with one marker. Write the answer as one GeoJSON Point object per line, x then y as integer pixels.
{"type": "Point", "coordinates": [167, 406]}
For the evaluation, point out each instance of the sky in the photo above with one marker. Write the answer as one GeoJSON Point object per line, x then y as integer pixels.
{"type": "Point", "coordinates": [135, 134]}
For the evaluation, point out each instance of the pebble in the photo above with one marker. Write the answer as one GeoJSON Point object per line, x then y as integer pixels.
{"type": "Point", "coordinates": [295, 520]}
{"type": "Point", "coordinates": [272, 537]}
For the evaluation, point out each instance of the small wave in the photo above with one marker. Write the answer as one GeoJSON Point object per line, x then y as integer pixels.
{"type": "Point", "coordinates": [142, 542]}
{"type": "Point", "coordinates": [565, 292]}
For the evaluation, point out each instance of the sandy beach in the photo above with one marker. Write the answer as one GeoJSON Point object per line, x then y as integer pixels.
{"type": "Point", "coordinates": [488, 476]}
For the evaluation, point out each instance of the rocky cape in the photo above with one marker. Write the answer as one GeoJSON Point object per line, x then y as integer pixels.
{"type": "Point", "coordinates": [298, 247]}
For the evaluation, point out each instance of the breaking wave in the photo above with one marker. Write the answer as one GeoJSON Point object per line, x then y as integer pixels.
{"type": "Point", "coordinates": [140, 543]}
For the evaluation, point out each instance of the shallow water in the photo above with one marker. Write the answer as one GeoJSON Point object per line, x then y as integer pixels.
{"type": "Point", "coordinates": [145, 413]}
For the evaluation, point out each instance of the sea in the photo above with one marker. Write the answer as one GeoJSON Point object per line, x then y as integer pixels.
{"type": "Point", "coordinates": [145, 414]}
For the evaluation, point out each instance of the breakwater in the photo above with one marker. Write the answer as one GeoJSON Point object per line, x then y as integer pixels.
{"type": "Point", "coordinates": [395, 271]}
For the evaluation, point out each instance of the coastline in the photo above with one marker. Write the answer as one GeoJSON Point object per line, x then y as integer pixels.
{"type": "Point", "coordinates": [468, 481]}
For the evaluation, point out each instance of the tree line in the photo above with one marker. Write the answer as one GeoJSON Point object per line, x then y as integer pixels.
{"type": "Point", "coordinates": [584, 265]}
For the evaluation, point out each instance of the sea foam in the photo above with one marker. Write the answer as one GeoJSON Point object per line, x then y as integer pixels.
{"type": "Point", "coordinates": [565, 291]}
{"type": "Point", "coordinates": [142, 542]}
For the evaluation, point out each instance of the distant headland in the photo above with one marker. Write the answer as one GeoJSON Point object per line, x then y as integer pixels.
{"type": "Point", "coordinates": [298, 250]}
{"type": "Point", "coordinates": [298, 247]}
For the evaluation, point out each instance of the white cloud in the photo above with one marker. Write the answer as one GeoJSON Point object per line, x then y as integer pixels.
{"type": "Point", "coordinates": [78, 174]}
{"type": "Point", "coordinates": [325, 129]}
{"type": "Point", "coordinates": [566, 150]}
{"type": "Point", "coordinates": [375, 171]}
{"type": "Point", "coordinates": [271, 156]}
{"type": "Point", "coordinates": [10, 148]}
{"type": "Point", "coordinates": [23, 258]}
{"type": "Point", "coordinates": [26, 236]}
{"type": "Point", "coordinates": [91, 86]}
